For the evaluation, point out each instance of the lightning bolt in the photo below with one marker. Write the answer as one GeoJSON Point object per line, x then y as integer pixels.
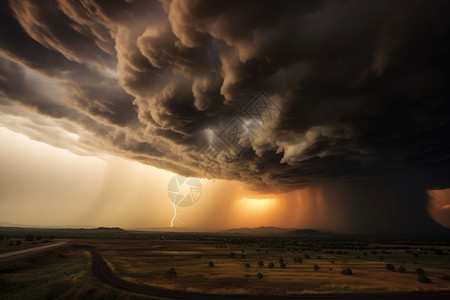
{"type": "Point", "coordinates": [173, 203]}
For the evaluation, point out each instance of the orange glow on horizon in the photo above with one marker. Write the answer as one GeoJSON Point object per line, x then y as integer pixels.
{"type": "Point", "coordinates": [439, 206]}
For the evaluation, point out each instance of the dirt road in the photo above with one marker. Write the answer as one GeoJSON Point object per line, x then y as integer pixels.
{"type": "Point", "coordinates": [102, 272]}
{"type": "Point", "coordinates": [14, 256]}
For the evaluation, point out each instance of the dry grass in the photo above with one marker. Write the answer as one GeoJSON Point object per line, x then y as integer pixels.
{"type": "Point", "coordinates": [146, 262]}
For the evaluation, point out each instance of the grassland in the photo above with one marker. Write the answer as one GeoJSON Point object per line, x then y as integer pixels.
{"type": "Point", "coordinates": [146, 262]}
{"type": "Point", "coordinates": [61, 274]}
{"type": "Point", "coordinates": [66, 273]}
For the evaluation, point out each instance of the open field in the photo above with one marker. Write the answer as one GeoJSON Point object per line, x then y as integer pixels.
{"type": "Point", "coordinates": [66, 273]}
{"type": "Point", "coordinates": [146, 262]}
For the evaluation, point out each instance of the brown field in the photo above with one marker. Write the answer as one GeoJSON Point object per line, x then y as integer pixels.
{"type": "Point", "coordinates": [146, 262]}
{"type": "Point", "coordinates": [67, 274]}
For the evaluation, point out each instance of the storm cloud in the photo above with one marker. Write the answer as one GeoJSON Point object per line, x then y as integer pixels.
{"type": "Point", "coordinates": [352, 90]}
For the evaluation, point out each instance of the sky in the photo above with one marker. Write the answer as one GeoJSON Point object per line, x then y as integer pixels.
{"type": "Point", "coordinates": [303, 114]}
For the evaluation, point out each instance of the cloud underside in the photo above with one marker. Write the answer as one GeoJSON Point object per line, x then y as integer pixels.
{"type": "Point", "coordinates": [355, 89]}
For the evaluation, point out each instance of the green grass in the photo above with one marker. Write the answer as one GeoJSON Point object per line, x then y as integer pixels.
{"type": "Point", "coordinates": [53, 276]}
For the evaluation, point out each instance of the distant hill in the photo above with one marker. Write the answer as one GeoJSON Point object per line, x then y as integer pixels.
{"type": "Point", "coordinates": [108, 229]}
{"type": "Point", "coordinates": [279, 231]}
{"type": "Point", "coordinates": [258, 230]}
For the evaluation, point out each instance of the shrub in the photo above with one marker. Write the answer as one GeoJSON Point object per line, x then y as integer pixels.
{"type": "Point", "coordinates": [171, 273]}
{"type": "Point", "coordinates": [445, 277]}
{"type": "Point", "coordinates": [232, 255]}
{"type": "Point", "coordinates": [424, 279]}
{"type": "Point", "coordinates": [247, 275]}
{"type": "Point", "coordinates": [346, 271]}
{"type": "Point", "coordinates": [316, 267]}
{"type": "Point", "coordinates": [271, 265]}
{"type": "Point", "coordinates": [381, 258]}
{"type": "Point", "coordinates": [390, 267]}
{"type": "Point", "coordinates": [29, 238]}
{"type": "Point", "coordinates": [259, 275]}
{"type": "Point", "coordinates": [281, 260]}
{"type": "Point", "coordinates": [306, 256]}
{"type": "Point", "coordinates": [18, 242]}
{"type": "Point", "coordinates": [260, 263]}
{"type": "Point", "coordinates": [332, 262]}
{"type": "Point", "coordinates": [401, 270]}
{"type": "Point", "coordinates": [211, 264]}
{"type": "Point", "coordinates": [247, 265]}
{"type": "Point", "coordinates": [420, 271]}
{"type": "Point", "coordinates": [283, 265]}
{"type": "Point", "coordinates": [298, 260]}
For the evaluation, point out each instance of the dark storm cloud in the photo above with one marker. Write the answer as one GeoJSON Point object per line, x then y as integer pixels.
{"type": "Point", "coordinates": [362, 86]}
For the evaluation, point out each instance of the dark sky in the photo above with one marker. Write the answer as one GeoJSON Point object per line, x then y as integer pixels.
{"type": "Point", "coordinates": [277, 94]}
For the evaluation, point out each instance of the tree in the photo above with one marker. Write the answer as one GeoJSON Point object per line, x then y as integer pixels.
{"type": "Point", "coordinates": [171, 273]}
{"type": "Point", "coordinates": [29, 238]}
{"type": "Point", "coordinates": [401, 270]}
{"type": "Point", "coordinates": [346, 271]}
{"type": "Point", "coordinates": [420, 271]}
{"type": "Point", "coordinates": [232, 255]}
{"type": "Point", "coordinates": [259, 275]}
{"type": "Point", "coordinates": [260, 263]}
{"type": "Point", "coordinates": [18, 242]}
{"type": "Point", "coordinates": [298, 260]}
{"type": "Point", "coordinates": [271, 265]}
{"type": "Point", "coordinates": [281, 260]}
{"type": "Point", "coordinates": [283, 265]}
{"type": "Point", "coordinates": [247, 265]}
{"type": "Point", "coordinates": [423, 278]}
{"type": "Point", "coordinates": [316, 267]}
{"type": "Point", "coordinates": [390, 267]}
{"type": "Point", "coordinates": [211, 264]}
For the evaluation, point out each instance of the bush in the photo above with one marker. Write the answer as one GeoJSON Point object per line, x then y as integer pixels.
{"type": "Point", "coordinates": [445, 277]}
{"type": "Point", "coordinates": [259, 275]}
{"type": "Point", "coordinates": [306, 256]}
{"type": "Point", "coordinates": [232, 255]}
{"type": "Point", "coordinates": [271, 265]}
{"type": "Point", "coordinates": [298, 260]}
{"type": "Point", "coordinates": [401, 270]}
{"type": "Point", "coordinates": [247, 265]}
{"type": "Point", "coordinates": [260, 263]}
{"type": "Point", "coordinates": [390, 267]}
{"type": "Point", "coordinates": [424, 279]}
{"type": "Point", "coordinates": [420, 271]}
{"type": "Point", "coordinates": [332, 262]}
{"type": "Point", "coordinates": [29, 238]}
{"type": "Point", "coordinates": [281, 260]}
{"type": "Point", "coordinates": [316, 267]}
{"type": "Point", "coordinates": [211, 264]}
{"type": "Point", "coordinates": [18, 242]}
{"type": "Point", "coordinates": [283, 265]}
{"type": "Point", "coordinates": [346, 271]}
{"type": "Point", "coordinates": [171, 273]}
